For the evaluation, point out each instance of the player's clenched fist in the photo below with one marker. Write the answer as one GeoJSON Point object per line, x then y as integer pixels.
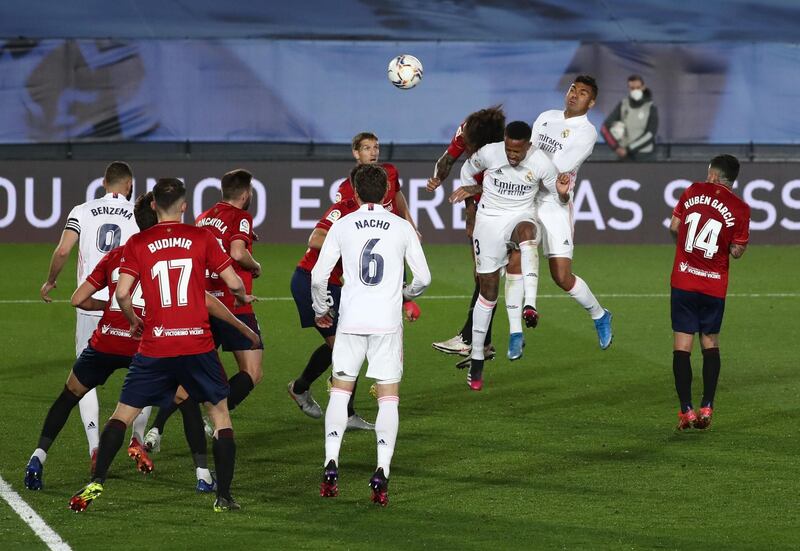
{"type": "Point", "coordinates": [433, 183]}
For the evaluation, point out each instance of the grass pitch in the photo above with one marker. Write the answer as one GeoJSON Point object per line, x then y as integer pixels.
{"type": "Point", "coordinates": [569, 448]}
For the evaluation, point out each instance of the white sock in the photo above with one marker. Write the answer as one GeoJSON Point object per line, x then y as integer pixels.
{"type": "Point", "coordinates": [386, 425]}
{"type": "Point", "coordinates": [529, 257]}
{"type": "Point", "coordinates": [41, 454]}
{"type": "Point", "coordinates": [481, 317]}
{"type": "Point", "coordinates": [581, 292]}
{"type": "Point", "coordinates": [140, 424]}
{"type": "Point", "coordinates": [203, 474]}
{"type": "Point", "coordinates": [513, 295]}
{"type": "Point", "coordinates": [90, 416]}
{"type": "Point", "coordinates": [335, 423]}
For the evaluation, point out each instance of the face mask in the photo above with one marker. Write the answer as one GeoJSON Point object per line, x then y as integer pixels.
{"type": "Point", "coordinates": [637, 95]}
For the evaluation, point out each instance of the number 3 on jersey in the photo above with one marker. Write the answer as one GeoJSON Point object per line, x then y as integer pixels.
{"type": "Point", "coordinates": [371, 271]}
{"type": "Point", "coordinates": [706, 239]}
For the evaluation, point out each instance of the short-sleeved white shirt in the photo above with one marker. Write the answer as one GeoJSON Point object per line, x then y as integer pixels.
{"type": "Point", "coordinates": [102, 224]}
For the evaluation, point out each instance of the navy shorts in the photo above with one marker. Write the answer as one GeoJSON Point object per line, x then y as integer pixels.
{"type": "Point", "coordinates": [93, 368]}
{"type": "Point", "coordinates": [229, 338]}
{"type": "Point", "coordinates": [696, 312]}
{"type": "Point", "coordinates": [301, 291]}
{"type": "Point", "coordinates": [153, 381]}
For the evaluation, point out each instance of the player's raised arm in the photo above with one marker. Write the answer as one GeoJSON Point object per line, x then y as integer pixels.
{"type": "Point", "coordinates": [69, 238]}
{"type": "Point", "coordinates": [328, 257]}
{"type": "Point", "coordinates": [441, 171]}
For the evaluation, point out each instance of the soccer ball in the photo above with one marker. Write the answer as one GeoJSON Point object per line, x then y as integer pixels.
{"type": "Point", "coordinates": [405, 71]}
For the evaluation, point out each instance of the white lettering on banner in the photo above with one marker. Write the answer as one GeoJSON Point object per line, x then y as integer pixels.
{"type": "Point", "coordinates": [623, 204]}
{"type": "Point", "coordinates": [55, 213]}
{"type": "Point", "coordinates": [459, 221]}
{"type": "Point", "coordinates": [671, 197]}
{"type": "Point", "coordinates": [334, 189]}
{"type": "Point", "coordinates": [298, 203]}
{"type": "Point", "coordinates": [755, 204]}
{"type": "Point", "coordinates": [11, 211]}
{"type": "Point", "coordinates": [197, 196]}
{"type": "Point", "coordinates": [585, 194]}
{"type": "Point", "coordinates": [91, 189]}
{"type": "Point", "coordinates": [260, 192]}
{"type": "Point", "coordinates": [786, 196]}
{"type": "Point", "coordinates": [415, 204]}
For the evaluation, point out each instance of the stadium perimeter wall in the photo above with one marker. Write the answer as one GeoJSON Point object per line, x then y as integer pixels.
{"type": "Point", "coordinates": [615, 203]}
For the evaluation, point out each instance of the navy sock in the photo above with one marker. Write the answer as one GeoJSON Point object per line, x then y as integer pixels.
{"type": "Point", "coordinates": [318, 363]}
{"type": "Point", "coordinates": [682, 370]}
{"type": "Point", "coordinates": [224, 449]}
{"type": "Point", "coordinates": [110, 442]}
{"type": "Point", "coordinates": [194, 432]}
{"type": "Point", "coordinates": [57, 417]}
{"type": "Point", "coordinates": [711, 367]}
{"type": "Point", "coordinates": [162, 416]}
{"type": "Point", "coordinates": [466, 331]}
{"type": "Point", "coordinates": [241, 385]}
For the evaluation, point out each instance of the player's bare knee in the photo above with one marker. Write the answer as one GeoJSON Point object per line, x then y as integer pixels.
{"type": "Point", "coordinates": [75, 386]}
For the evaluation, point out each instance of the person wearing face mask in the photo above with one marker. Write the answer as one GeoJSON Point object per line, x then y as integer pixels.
{"type": "Point", "coordinates": [630, 130]}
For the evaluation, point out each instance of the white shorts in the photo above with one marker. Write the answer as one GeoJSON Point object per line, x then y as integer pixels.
{"type": "Point", "coordinates": [556, 229]}
{"type": "Point", "coordinates": [490, 236]}
{"type": "Point", "coordinates": [384, 355]}
{"type": "Point", "coordinates": [83, 331]}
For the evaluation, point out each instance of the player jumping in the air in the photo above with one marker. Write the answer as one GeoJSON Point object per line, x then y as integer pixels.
{"type": "Point", "coordinates": [480, 128]}
{"type": "Point", "coordinates": [372, 245]}
{"type": "Point", "coordinates": [710, 224]}
{"type": "Point", "coordinates": [567, 138]}
{"type": "Point", "coordinates": [512, 173]}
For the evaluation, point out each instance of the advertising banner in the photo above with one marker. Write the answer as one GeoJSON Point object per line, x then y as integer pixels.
{"type": "Point", "coordinates": [614, 202]}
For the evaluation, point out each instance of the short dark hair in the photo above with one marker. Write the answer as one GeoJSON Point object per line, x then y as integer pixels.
{"type": "Point", "coordinates": [360, 137]}
{"type": "Point", "coordinates": [143, 211]}
{"type": "Point", "coordinates": [484, 127]}
{"type": "Point", "coordinates": [636, 77]}
{"type": "Point", "coordinates": [518, 130]}
{"type": "Point", "coordinates": [588, 81]}
{"type": "Point", "coordinates": [117, 173]}
{"type": "Point", "coordinates": [235, 182]}
{"type": "Point", "coordinates": [167, 192]}
{"type": "Point", "coordinates": [727, 166]}
{"type": "Point", "coordinates": [369, 182]}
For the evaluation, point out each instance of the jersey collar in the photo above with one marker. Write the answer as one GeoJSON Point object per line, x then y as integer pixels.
{"type": "Point", "coordinates": [114, 196]}
{"type": "Point", "coordinates": [371, 207]}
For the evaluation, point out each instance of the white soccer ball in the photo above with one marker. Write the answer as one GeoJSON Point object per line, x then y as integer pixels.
{"type": "Point", "coordinates": [405, 71]}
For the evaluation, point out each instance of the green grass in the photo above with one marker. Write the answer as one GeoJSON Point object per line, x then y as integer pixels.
{"type": "Point", "coordinates": [569, 448]}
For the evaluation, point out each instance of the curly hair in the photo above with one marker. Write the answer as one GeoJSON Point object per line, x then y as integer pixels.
{"type": "Point", "coordinates": [484, 127]}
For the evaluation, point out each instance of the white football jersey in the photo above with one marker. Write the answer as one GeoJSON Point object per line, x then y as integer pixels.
{"type": "Point", "coordinates": [103, 225]}
{"type": "Point", "coordinates": [372, 243]}
{"type": "Point", "coordinates": [567, 142]}
{"type": "Point", "coordinates": [507, 188]}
